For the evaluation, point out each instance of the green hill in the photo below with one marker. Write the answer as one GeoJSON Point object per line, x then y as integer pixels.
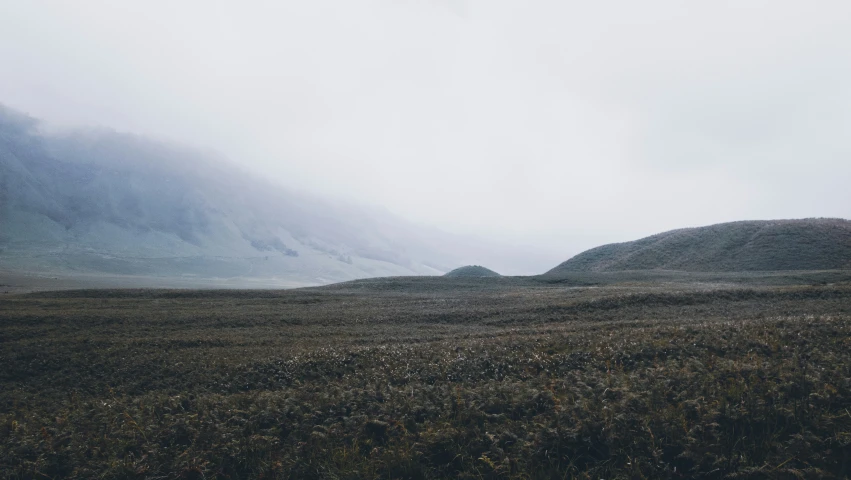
{"type": "Point", "coordinates": [472, 271]}
{"type": "Point", "coordinates": [808, 244]}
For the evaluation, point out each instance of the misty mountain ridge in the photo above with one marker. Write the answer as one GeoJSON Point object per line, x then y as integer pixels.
{"type": "Point", "coordinates": [97, 201]}
{"type": "Point", "coordinates": [100, 201]}
{"type": "Point", "coordinates": [767, 245]}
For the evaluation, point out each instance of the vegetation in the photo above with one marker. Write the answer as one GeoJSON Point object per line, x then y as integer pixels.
{"type": "Point", "coordinates": [472, 271]}
{"type": "Point", "coordinates": [811, 244]}
{"type": "Point", "coordinates": [426, 378]}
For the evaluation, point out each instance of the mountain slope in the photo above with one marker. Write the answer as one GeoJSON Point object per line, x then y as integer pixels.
{"type": "Point", "coordinates": [809, 244]}
{"type": "Point", "coordinates": [99, 201]}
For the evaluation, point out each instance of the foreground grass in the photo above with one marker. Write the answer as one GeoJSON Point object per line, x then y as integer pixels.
{"type": "Point", "coordinates": [518, 381]}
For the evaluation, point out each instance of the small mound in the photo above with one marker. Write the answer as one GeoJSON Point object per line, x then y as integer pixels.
{"type": "Point", "coordinates": [472, 271]}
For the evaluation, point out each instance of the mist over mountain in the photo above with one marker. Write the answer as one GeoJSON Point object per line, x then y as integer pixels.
{"type": "Point", "coordinates": [806, 244]}
{"type": "Point", "coordinates": [100, 201]}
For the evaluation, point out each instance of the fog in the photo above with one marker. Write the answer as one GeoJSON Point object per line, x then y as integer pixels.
{"type": "Point", "coordinates": [560, 125]}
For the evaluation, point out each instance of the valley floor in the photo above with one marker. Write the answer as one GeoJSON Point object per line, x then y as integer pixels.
{"type": "Point", "coordinates": [431, 378]}
{"type": "Point", "coordinates": [18, 281]}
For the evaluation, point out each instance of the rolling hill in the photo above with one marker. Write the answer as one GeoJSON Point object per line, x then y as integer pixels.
{"type": "Point", "coordinates": [472, 271]}
{"type": "Point", "coordinates": [770, 245]}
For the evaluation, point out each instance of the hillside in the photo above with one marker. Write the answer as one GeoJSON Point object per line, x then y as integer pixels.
{"type": "Point", "coordinates": [472, 271]}
{"type": "Point", "coordinates": [100, 202]}
{"type": "Point", "coordinates": [808, 244]}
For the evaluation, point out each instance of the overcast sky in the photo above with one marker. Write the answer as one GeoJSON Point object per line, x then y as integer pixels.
{"type": "Point", "coordinates": [562, 124]}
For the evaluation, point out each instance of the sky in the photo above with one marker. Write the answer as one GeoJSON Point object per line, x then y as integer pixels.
{"type": "Point", "coordinates": [557, 124]}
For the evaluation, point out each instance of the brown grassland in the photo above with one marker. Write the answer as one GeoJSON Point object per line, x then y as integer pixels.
{"type": "Point", "coordinates": [432, 378]}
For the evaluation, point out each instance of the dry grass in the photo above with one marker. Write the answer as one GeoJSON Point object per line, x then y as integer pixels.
{"type": "Point", "coordinates": [469, 380]}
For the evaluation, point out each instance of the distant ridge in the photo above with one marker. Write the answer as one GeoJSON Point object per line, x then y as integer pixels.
{"type": "Point", "coordinates": [767, 245]}
{"type": "Point", "coordinates": [472, 271]}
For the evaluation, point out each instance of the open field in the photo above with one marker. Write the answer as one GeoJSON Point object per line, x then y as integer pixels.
{"type": "Point", "coordinates": [648, 375]}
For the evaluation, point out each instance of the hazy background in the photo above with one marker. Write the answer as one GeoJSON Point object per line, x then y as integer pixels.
{"type": "Point", "coordinates": [561, 125]}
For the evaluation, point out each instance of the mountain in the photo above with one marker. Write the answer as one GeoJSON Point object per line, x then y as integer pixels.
{"type": "Point", "coordinates": [809, 244]}
{"type": "Point", "coordinates": [96, 201]}
{"type": "Point", "coordinates": [472, 271]}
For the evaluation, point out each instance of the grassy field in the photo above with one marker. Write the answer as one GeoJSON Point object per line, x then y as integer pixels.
{"type": "Point", "coordinates": [593, 377]}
